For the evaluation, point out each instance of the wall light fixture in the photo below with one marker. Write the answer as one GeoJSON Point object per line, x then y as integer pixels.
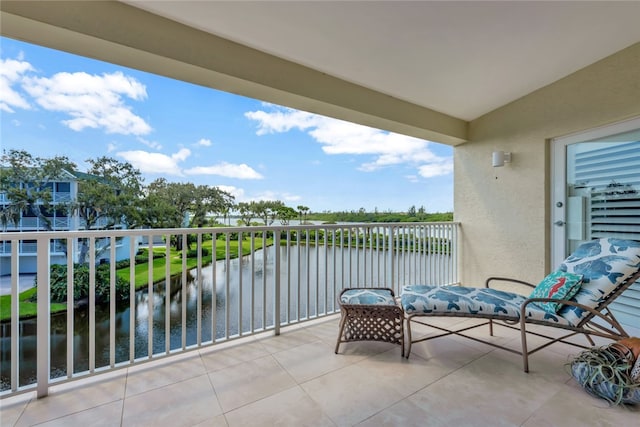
{"type": "Point", "coordinates": [499, 158]}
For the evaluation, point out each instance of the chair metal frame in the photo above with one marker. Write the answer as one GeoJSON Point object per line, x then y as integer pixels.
{"type": "Point", "coordinates": [599, 322]}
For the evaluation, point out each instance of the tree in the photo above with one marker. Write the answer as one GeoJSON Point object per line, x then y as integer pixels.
{"type": "Point", "coordinates": [286, 214]}
{"type": "Point", "coordinates": [165, 204]}
{"type": "Point", "coordinates": [108, 194]}
{"type": "Point", "coordinates": [27, 182]}
{"type": "Point", "coordinates": [267, 210]}
{"type": "Point", "coordinates": [108, 197]}
{"type": "Point", "coordinates": [245, 210]}
{"type": "Point", "coordinates": [181, 205]}
{"type": "Point", "coordinates": [422, 213]}
{"type": "Point", "coordinates": [412, 211]}
{"type": "Point", "coordinates": [303, 210]}
{"type": "Point", "coordinates": [209, 200]}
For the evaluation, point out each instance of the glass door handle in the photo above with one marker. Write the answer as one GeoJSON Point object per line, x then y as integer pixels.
{"type": "Point", "coordinates": [559, 223]}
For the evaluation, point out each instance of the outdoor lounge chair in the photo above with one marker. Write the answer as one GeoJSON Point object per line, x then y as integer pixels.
{"type": "Point", "coordinates": [574, 298]}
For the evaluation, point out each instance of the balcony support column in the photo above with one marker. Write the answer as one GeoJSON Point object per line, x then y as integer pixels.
{"type": "Point", "coordinates": [44, 319]}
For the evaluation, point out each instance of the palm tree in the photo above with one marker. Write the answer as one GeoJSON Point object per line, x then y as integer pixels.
{"type": "Point", "coordinates": [303, 210]}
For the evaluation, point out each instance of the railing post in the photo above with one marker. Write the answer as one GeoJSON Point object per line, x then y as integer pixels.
{"type": "Point", "coordinates": [43, 320]}
{"type": "Point", "coordinates": [391, 252]}
{"type": "Point", "coordinates": [15, 315]}
{"type": "Point", "coordinates": [276, 283]}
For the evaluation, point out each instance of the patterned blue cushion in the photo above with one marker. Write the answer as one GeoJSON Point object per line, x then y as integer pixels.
{"type": "Point", "coordinates": [559, 285]}
{"type": "Point", "coordinates": [492, 303]}
{"type": "Point", "coordinates": [604, 264]}
{"type": "Point", "coordinates": [367, 296]}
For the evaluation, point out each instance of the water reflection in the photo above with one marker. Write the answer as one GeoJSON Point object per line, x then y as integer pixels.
{"type": "Point", "coordinates": [234, 296]}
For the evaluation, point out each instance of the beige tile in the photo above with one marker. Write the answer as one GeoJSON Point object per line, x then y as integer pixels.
{"type": "Point", "coordinates": [217, 421]}
{"type": "Point", "coordinates": [100, 416]}
{"type": "Point", "coordinates": [326, 332]}
{"type": "Point", "coordinates": [217, 359]}
{"type": "Point", "coordinates": [558, 411]}
{"type": "Point", "coordinates": [406, 376]}
{"type": "Point", "coordinates": [73, 397]}
{"type": "Point", "coordinates": [12, 407]}
{"type": "Point", "coordinates": [312, 360]}
{"type": "Point", "coordinates": [492, 390]}
{"type": "Point", "coordinates": [158, 374]}
{"type": "Point", "coordinates": [183, 403]}
{"type": "Point", "coordinates": [363, 349]}
{"type": "Point", "coordinates": [449, 351]}
{"type": "Point", "coordinates": [249, 381]}
{"type": "Point", "coordinates": [352, 394]}
{"type": "Point", "coordinates": [287, 339]}
{"type": "Point", "coordinates": [404, 413]}
{"type": "Point", "coordinates": [291, 407]}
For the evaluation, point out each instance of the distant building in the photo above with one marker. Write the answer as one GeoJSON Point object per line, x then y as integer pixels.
{"type": "Point", "coordinates": [56, 217]}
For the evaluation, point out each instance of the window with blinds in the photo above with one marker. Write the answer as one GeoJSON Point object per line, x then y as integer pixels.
{"type": "Point", "coordinates": [607, 178]}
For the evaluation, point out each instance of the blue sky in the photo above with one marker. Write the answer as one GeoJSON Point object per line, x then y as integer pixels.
{"type": "Point", "coordinates": [53, 103]}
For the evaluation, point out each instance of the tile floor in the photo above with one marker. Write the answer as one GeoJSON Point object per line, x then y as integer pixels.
{"type": "Point", "coordinates": [295, 379]}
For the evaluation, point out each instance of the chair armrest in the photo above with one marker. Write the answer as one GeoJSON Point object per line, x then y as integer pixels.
{"type": "Point", "coordinates": [508, 279]}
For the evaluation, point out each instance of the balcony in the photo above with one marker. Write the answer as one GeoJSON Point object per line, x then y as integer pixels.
{"type": "Point", "coordinates": [272, 356]}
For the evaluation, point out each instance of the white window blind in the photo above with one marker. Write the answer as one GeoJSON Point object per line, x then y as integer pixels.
{"type": "Point", "coordinates": [610, 175]}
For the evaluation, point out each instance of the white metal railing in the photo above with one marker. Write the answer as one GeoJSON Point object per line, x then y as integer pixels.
{"type": "Point", "coordinates": [288, 274]}
{"type": "Point", "coordinates": [62, 196]}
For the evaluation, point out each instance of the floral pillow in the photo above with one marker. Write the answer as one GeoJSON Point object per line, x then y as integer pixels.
{"type": "Point", "coordinates": [558, 285]}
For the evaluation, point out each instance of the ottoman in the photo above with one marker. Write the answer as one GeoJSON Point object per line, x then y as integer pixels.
{"type": "Point", "coordinates": [370, 314]}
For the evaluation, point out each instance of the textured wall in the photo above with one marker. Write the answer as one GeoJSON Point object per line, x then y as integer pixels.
{"type": "Point", "coordinates": [505, 212]}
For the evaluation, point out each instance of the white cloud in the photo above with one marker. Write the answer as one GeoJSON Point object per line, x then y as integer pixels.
{"type": "Point", "coordinates": [229, 170]}
{"type": "Point", "coordinates": [204, 142]}
{"type": "Point", "coordinates": [237, 193]}
{"type": "Point", "coordinates": [436, 169]}
{"type": "Point", "coordinates": [274, 195]}
{"type": "Point", "coordinates": [282, 120]}
{"type": "Point", "coordinates": [340, 137]}
{"type": "Point", "coordinates": [182, 154]}
{"type": "Point", "coordinates": [240, 195]}
{"type": "Point", "coordinates": [148, 162]}
{"type": "Point", "coordinates": [11, 72]}
{"type": "Point", "coordinates": [151, 144]}
{"type": "Point", "coordinates": [92, 101]}
{"type": "Point", "coordinates": [288, 197]}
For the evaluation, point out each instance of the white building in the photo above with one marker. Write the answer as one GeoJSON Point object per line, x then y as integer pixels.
{"type": "Point", "coordinates": [57, 217]}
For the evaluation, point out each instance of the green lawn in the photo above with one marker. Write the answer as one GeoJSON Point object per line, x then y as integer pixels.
{"type": "Point", "coordinates": [28, 306]}
{"type": "Point", "coordinates": [175, 260]}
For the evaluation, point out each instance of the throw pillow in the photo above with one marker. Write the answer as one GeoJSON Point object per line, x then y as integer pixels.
{"type": "Point", "coordinates": [558, 285]}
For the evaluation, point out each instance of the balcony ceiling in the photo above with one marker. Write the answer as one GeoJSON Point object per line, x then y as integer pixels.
{"type": "Point", "coordinates": [422, 68]}
{"type": "Point", "coordinates": [463, 59]}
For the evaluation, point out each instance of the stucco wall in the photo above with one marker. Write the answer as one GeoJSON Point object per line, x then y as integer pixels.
{"type": "Point", "coordinates": [505, 211]}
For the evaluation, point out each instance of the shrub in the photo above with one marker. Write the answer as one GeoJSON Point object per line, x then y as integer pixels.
{"type": "Point", "coordinates": [193, 253]}
{"type": "Point", "coordinates": [81, 280]}
{"type": "Point", "coordinates": [123, 263]}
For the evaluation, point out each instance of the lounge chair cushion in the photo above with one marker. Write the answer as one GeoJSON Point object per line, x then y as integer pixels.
{"type": "Point", "coordinates": [604, 264]}
{"type": "Point", "coordinates": [472, 302]}
{"type": "Point", "coordinates": [368, 297]}
{"type": "Point", "coordinates": [559, 285]}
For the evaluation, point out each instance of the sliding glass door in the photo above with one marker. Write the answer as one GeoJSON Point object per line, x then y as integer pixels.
{"type": "Point", "coordinates": [596, 193]}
